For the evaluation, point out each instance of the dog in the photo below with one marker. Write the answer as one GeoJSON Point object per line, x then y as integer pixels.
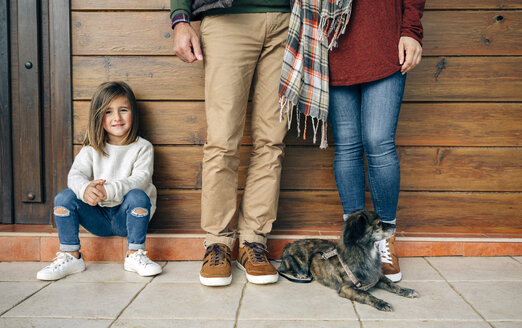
{"type": "Point", "coordinates": [352, 266]}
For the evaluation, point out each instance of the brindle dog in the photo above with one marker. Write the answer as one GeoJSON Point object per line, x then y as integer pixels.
{"type": "Point", "coordinates": [309, 259]}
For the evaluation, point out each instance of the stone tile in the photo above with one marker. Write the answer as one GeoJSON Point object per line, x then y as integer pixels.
{"type": "Point", "coordinates": [495, 300]}
{"type": "Point", "coordinates": [123, 323]}
{"type": "Point", "coordinates": [290, 301]}
{"type": "Point", "coordinates": [477, 268]}
{"type": "Point", "coordinates": [416, 268]}
{"type": "Point", "coordinates": [14, 292]}
{"type": "Point", "coordinates": [425, 324]}
{"type": "Point", "coordinates": [20, 271]}
{"type": "Point", "coordinates": [507, 324]}
{"type": "Point", "coordinates": [188, 271]}
{"type": "Point", "coordinates": [518, 258]}
{"type": "Point", "coordinates": [294, 324]}
{"type": "Point", "coordinates": [185, 301]}
{"type": "Point", "coordinates": [437, 301]}
{"type": "Point", "coordinates": [53, 323]}
{"type": "Point", "coordinates": [107, 272]}
{"type": "Point", "coordinates": [78, 300]}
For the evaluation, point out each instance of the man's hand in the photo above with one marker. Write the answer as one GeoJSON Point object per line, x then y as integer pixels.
{"type": "Point", "coordinates": [410, 53]}
{"type": "Point", "coordinates": [186, 43]}
{"type": "Point", "coordinates": [95, 192]}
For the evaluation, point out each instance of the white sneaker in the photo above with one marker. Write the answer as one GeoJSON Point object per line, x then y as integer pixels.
{"type": "Point", "coordinates": [140, 263]}
{"type": "Point", "coordinates": [64, 264]}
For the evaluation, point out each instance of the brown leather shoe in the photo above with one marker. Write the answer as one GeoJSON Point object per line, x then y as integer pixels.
{"type": "Point", "coordinates": [252, 259]}
{"type": "Point", "coordinates": [216, 266]}
{"type": "Point", "coordinates": [389, 260]}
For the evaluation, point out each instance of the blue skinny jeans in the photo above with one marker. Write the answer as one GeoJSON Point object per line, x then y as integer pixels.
{"type": "Point", "coordinates": [363, 118]}
{"type": "Point", "coordinates": [124, 220]}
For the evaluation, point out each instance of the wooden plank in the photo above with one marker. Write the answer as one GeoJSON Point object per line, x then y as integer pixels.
{"type": "Point", "coordinates": [422, 168]}
{"type": "Point", "coordinates": [155, 78]}
{"type": "Point", "coordinates": [157, 120]}
{"type": "Point", "coordinates": [465, 79]}
{"type": "Point", "coordinates": [420, 124]}
{"type": "Point", "coordinates": [445, 212]}
{"type": "Point", "coordinates": [474, 4]}
{"type": "Point", "coordinates": [165, 4]}
{"type": "Point", "coordinates": [461, 169]}
{"type": "Point", "coordinates": [6, 156]}
{"type": "Point", "coordinates": [445, 33]}
{"type": "Point", "coordinates": [61, 92]}
{"type": "Point", "coordinates": [29, 143]}
{"type": "Point", "coordinates": [472, 33]}
{"type": "Point", "coordinates": [460, 124]}
{"type": "Point", "coordinates": [119, 4]}
{"type": "Point", "coordinates": [435, 79]}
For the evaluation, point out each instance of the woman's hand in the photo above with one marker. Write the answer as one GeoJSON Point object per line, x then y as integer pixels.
{"type": "Point", "coordinates": [410, 53]}
{"type": "Point", "coordinates": [95, 192]}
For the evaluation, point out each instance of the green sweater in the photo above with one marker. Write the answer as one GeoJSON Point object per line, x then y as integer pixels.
{"type": "Point", "coordinates": [238, 7]}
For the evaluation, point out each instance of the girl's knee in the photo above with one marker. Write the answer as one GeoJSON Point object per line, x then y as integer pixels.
{"type": "Point", "coordinates": [138, 200]}
{"type": "Point", "coordinates": [139, 212]}
{"type": "Point", "coordinates": [64, 199]}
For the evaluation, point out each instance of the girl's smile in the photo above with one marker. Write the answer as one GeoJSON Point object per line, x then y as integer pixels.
{"type": "Point", "coordinates": [117, 120]}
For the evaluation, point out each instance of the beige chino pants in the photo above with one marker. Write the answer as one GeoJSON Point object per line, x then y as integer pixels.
{"type": "Point", "coordinates": [242, 51]}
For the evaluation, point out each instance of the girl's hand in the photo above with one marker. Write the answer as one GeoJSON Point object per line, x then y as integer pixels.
{"type": "Point", "coordinates": [92, 194]}
{"type": "Point", "coordinates": [410, 53]}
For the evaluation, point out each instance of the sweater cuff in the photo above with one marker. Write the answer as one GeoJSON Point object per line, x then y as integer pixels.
{"type": "Point", "coordinates": [82, 191]}
{"type": "Point", "coordinates": [110, 190]}
{"type": "Point", "coordinates": [179, 17]}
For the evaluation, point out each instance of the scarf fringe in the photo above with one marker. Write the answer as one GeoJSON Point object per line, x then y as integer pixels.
{"type": "Point", "coordinates": [287, 108]}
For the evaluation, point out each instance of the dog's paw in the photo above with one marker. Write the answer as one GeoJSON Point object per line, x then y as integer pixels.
{"type": "Point", "coordinates": [383, 306]}
{"type": "Point", "coordinates": [410, 293]}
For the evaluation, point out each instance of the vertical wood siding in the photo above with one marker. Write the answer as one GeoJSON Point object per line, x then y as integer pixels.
{"type": "Point", "coordinates": [459, 134]}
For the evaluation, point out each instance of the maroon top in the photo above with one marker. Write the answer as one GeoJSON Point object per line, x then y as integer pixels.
{"type": "Point", "coordinates": [368, 50]}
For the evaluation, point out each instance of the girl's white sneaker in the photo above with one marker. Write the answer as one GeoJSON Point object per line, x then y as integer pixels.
{"type": "Point", "coordinates": [140, 263]}
{"type": "Point", "coordinates": [63, 265]}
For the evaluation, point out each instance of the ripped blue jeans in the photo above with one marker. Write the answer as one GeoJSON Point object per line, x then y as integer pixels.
{"type": "Point", "coordinates": [129, 219]}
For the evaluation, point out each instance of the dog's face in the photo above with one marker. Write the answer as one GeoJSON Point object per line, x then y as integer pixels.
{"type": "Point", "coordinates": [365, 227]}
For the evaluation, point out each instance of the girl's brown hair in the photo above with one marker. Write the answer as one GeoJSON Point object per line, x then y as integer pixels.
{"type": "Point", "coordinates": [96, 136]}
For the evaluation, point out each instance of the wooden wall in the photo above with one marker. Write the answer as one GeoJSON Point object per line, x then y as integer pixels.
{"type": "Point", "coordinates": [459, 135]}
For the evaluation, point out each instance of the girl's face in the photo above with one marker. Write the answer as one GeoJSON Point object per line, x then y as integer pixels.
{"type": "Point", "coordinates": [117, 120]}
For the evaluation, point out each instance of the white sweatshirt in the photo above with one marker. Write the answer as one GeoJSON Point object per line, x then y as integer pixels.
{"type": "Point", "coordinates": [126, 168]}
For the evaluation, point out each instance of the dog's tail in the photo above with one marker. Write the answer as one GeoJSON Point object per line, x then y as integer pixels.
{"type": "Point", "coordinates": [301, 280]}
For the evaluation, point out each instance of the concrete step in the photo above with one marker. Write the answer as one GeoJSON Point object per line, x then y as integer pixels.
{"type": "Point", "coordinates": [40, 243]}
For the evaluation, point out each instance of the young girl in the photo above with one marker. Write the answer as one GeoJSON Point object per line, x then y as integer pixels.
{"type": "Point", "coordinates": [111, 191]}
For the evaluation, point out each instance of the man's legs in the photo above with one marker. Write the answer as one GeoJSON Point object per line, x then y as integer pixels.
{"type": "Point", "coordinates": [231, 47]}
{"type": "Point", "coordinates": [259, 205]}
{"type": "Point", "coordinates": [260, 199]}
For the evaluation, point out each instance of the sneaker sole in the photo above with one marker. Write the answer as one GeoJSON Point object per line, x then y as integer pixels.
{"type": "Point", "coordinates": [49, 278]}
{"type": "Point", "coordinates": [126, 268]}
{"type": "Point", "coordinates": [396, 277]}
{"type": "Point", "coordinates": [260, 280]}
{"type": "Point", "coordinates": [212, 282]}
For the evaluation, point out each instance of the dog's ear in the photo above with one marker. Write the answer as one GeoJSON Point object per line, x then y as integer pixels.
{"type": "Point", "coordinates": [355, 227]}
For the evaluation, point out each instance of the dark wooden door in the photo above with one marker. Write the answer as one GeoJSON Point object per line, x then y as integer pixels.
{"type": "Point", "coordinates": [35, 160]}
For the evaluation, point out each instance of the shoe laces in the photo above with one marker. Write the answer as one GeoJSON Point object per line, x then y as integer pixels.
{"type": "Point", "coordinates": [217, 254]}
{"type": "Point", "coordinates": [256, 252]}
{"type": "Point", "coordinates": [141, 256]}
{"type": "Point", "coordinates": [60, 259]}
{"type": "Point", "coordinates": [385, 251]}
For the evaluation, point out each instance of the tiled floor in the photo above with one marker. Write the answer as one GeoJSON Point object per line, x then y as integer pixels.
{"type": "Point", "coordinates": [464, 292]}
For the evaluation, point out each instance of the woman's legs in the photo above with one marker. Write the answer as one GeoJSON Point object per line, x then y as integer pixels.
{"type": "Point", "coordinates": [345, 121]}
{"type": "Point", "coordinates": [380, 106]}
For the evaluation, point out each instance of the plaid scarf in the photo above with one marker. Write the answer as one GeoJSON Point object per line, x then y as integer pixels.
{"type": "Point", "coordinates": [315, 26]}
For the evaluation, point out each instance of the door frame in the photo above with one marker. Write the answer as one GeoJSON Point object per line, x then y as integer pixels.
{"type": "Point", "coordinates": [6, 155]}
{"type": "Point", "coordinates": [56, 109]}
